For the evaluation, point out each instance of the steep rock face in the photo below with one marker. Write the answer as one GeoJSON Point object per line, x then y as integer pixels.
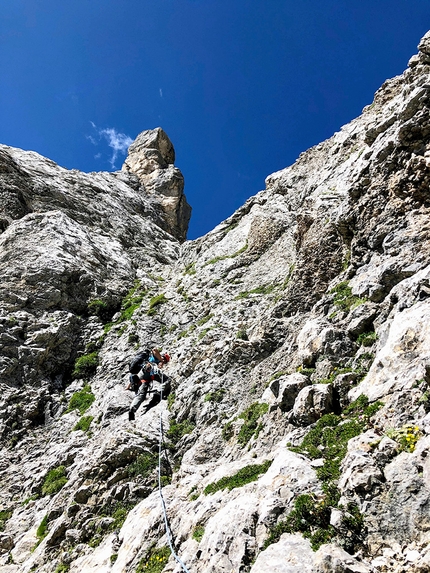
{"type": "Point", "coordinates": [298, 429]}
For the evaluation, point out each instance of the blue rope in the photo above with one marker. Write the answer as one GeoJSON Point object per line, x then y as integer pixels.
{"type": "Point", "coordinates": [163, 504]}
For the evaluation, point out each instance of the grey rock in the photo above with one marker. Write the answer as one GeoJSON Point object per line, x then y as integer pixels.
{"type": "Point", "coordinates": [312, 403]}
{"type": "Point", "coordinates": [283, 391]}
{"type": "Point", "coordinates": [292, 554]}
{"type": "Point", "coordinates": [333, 559]}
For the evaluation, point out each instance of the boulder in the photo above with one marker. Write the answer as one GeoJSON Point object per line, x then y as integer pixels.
{"type": "Point", "coordinates": [313, 402]}
{"type": "Point", "coordinates": [283, 391]}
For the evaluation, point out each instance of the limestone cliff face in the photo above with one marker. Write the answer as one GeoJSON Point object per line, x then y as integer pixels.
{"type": "Point", "coordinates": [297, 433]}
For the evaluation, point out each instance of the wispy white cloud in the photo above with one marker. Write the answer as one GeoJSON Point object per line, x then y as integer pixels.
{"type": "Point", "coordinates": [118, 142]}
{"type": "Point", "coordinates": [161, 92]}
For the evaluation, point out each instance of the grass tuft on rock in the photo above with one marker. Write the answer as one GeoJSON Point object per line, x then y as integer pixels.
{"type": "Point", "coordinates": [86, 366]}
{"type": "Point", "coordinates": [245, 475]}
{"type": "Point", "coordinates": [143, 465]}
{"type": "Point", "coordinates": [155, 302]}
{"type": "Point", "coordinates": [54, 481]}
{"type": "Point", "coordinates": [5, 514]}
{"type": "Point", "coordinates": [81, 400]}
{"type": "Point", "coordinates": [251, 427]}
{"type": "Point", "coordinates": [198, 533]}
{"type": "Point", "coordinates": [343, 297]}
{"type": "Point", "coordinates": [83, 424]}
{"type": "Point", "coordinates": [154, 561]}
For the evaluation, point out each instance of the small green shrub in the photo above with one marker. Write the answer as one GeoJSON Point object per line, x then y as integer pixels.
{"type": "Point", "coordinates": [179, 429]}
{"type": "Point", "coordinates": [198, 533]}
{"type": "Point", "coordinates": [344, 298]}
{"type": "Point", "coordinates": [42, 530]}
{"type": "Point", "coordinates": [86, 365]}
{"type": "Point", "coordinates": [242, 334]}
{"type": "Point", "coordinates": [251, 427]}
{"type": "Point", "coordinates": [54, 481]}
{"type": "Point", "coordinates": [118, 511]}
{"type": "Point", "coordinates": [154, 561]}
{"type": "Point", "coordinates": [143, 465]}
{"type": "Point", "coordinates": [223, 257]}
{"type": "Point", "coordinates": [204, 320]}
{"type": "Point", "coordinates": [227, 431]}
{"type": "Point", "coordinates": [5, 514]}
{"type": "Point", "coordinates": [83, 424]}
{"type": "Point", "coordinates": [367, 338]}
{"type": "Point", "coordinates": [407, 437]}
{"type": "Point", "coordinates": [245, 475]}
{"type": "Point", "coordinates": [113, 558]}
{"type": "Point", "coordinates": [190, 269]}
{"type": "Point", "coordinates": [81, 400]}
{"type": "Point", "coordinates": [265, 289]}
{"type": "Point", "coordinates": [132, 301]}
{"type": "Point", "coordinates": [62, 568]}
{"type": "Point", "coordinates": [155, 302]}
{"type": "Point", "coordinates": [215, 396]}
{"type": "Point", "coordinates": [171, 400]}
{"type": "Point", "coordinates": [102, 309]}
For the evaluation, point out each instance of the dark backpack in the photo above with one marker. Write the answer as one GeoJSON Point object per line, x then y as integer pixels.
{"type": "Point", "coordinates": [138, 361]}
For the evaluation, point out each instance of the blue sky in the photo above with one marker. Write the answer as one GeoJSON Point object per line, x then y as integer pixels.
{"type": "Point", "coordinates": [241, 87]}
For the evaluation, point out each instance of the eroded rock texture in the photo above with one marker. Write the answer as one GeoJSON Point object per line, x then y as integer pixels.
{"type": "Point", "coordinates": [297, 433]}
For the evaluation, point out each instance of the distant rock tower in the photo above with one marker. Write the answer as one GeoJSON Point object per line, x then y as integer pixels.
{"type": "Point", "coordinates": [151, 158]}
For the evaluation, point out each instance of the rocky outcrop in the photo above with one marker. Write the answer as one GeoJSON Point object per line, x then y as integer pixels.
{"type": "Point", "coordinates": [151, 157]}
{"type": "Point", "coordinates": [297, 433]}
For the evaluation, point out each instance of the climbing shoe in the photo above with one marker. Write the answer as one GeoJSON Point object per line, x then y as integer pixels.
{"type": "Point", "coordinates": [131, 415]}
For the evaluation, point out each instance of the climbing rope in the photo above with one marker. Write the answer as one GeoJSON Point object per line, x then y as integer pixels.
{"type": "Point", "coordinates": [163, 504]}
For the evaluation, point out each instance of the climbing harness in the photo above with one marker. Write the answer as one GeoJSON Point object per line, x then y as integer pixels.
{"type": "Point", "coordinates": [163, 503]}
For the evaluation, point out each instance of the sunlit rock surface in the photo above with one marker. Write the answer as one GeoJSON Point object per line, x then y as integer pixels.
{"type": "Point", "coordinates": [296, 437]}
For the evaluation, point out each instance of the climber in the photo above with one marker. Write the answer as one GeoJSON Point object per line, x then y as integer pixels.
{"type": "Point", "coordinates": [153, 356]}
{"type": "Point", "coordinates": [150, 374]}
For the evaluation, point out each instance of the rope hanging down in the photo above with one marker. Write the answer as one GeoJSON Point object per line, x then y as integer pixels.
{"type": "Point", "coordinates": [163, 504]}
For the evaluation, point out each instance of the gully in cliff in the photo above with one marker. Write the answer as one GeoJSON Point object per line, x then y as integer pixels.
{"type": "Point", "coordinates": [145, 368]}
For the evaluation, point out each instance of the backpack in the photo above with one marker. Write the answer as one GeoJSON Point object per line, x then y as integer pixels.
{"type": "Point", "coordinates": [138, 361]}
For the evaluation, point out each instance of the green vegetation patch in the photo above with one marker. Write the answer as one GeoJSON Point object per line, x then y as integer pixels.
{"type": "Point", "coordinates": [223, 257]}
{"type": "Point", "coordinates": [178, 430]}
{"type": "Point", "coordinates": [198, 533]}
{"type": "Point", "coordinates": [311, 517]}
{"type": "Point", "coordinates": [155, 302]}
{"type": "Point", "coordinates": [190, 269]}
{"type": "Point", "coordinates": [328, 439]}
{"type": "Point", "coordinates": [251, 426]}
{"type": "Point", "coordinates": [101, 308]}
{"type": "Point", "coordinates": [245, 475]}
{"type": "Point", "coordinates": [143, 465]}
{"type": "Point", "coordinates": [204, 320]}
{"type": "Point", "coordinates": [86, 366]}
{"type": "Point", "coordinates": [132, 301]}
{"type": "Point", "coordinates": [5, 514]}
{"type": "Point", "coordinates": [83, 424]}
{"type": "Point", "coordinates": [242, 334]}
{"type": "Point", "coordinates": [367, 338]}
{"type": "Point", "coordinates": [215, 396]}
{"type": "Point", "coordinates": [344, 298]}
{"type": "Point", "coordinates": [62, 568]}
{"type": "Point", "coordinates": [42, 530]}
{"type": "Point", "coordinates": [154, 561]}
{"type": "Point", "coordinates": [54, 481]}
{"type": "Point", "coordinates": [264, 289]}
{"type": "Point", "coordinates": [407, 437]}
{"type": "Point", "coordinates": [81, 400]}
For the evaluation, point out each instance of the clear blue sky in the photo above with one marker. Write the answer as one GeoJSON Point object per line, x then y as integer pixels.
{"type": "Point", "coordinates": [241, 87]}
